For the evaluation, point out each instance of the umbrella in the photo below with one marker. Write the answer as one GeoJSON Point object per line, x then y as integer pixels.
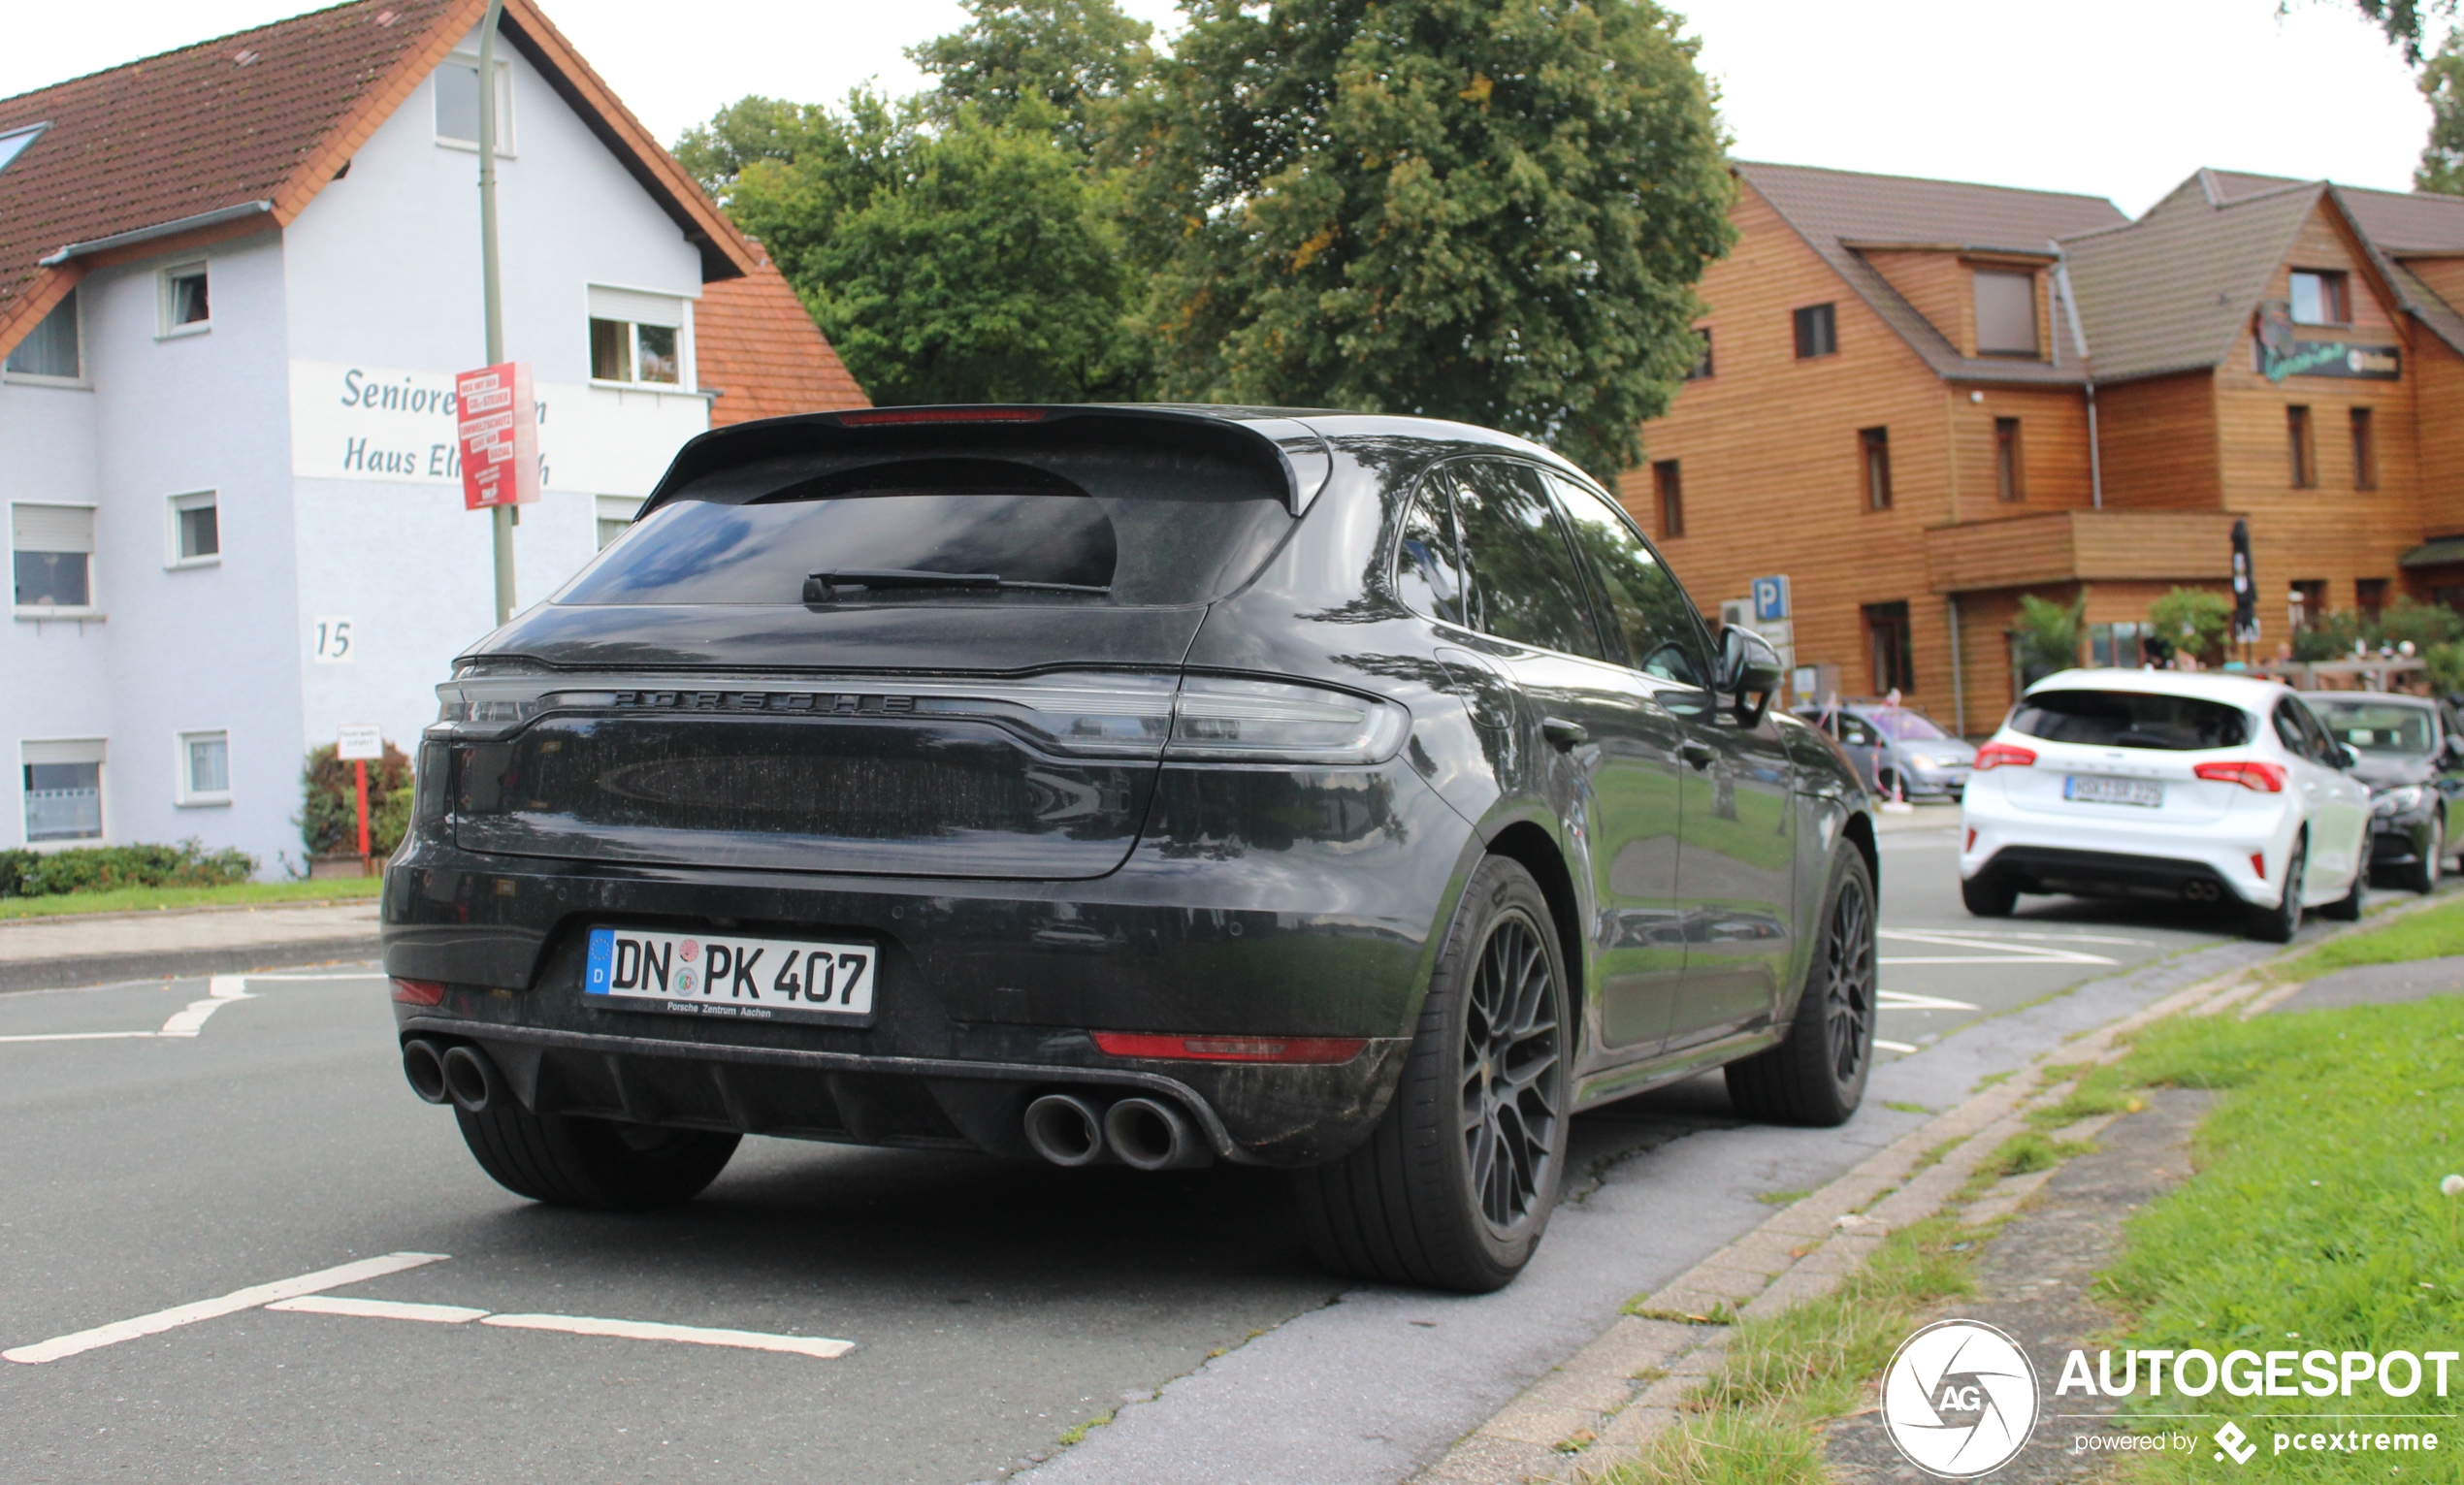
{"type": "Point", "coordinates": [2245, 590]}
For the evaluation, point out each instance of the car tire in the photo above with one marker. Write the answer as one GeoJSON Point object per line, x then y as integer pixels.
{"type": "Point", "coordinates": [1455, 1185]}
{"type": "Point", "coordinates": [2422, 876]}
{"type": "Point", "coordinates": [2278, 923]}
{"type": "Point", "coordinates": [2347, 908]}
{"type": "Point", "coordinates": [1817, 1077]}
{"type": "Point", "coordinates": [1989, 896]}
{"type": "Point", "coordinates": [601, 1164]}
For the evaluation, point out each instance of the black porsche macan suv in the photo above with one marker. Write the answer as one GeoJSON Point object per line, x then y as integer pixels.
{"type": "Point", "coordinates": [1354, 794]}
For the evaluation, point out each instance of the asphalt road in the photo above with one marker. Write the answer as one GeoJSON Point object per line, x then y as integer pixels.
{"type": "Point", "coordinates": [986, 1307]}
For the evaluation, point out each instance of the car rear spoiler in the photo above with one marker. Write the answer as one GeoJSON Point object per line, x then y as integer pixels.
{"type": "Point", "coordinates": [1274, 438]}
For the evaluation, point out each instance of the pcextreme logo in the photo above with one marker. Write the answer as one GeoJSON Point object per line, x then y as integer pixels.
{"type": "Point", "coordinates": [1959, 1398]}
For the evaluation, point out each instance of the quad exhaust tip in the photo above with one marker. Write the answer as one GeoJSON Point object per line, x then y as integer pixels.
{"type": "Point", "coordinates": [1150, 1134]}
{"type": "Point", "coordinates": [1065, 1129]}
{"type": "Point", "coordinates": [470, 1078]}
{"type": "Point", "coordinates": [424, 1067]}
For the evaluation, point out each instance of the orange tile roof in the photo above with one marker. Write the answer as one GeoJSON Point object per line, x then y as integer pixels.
{"type": "Point", "coordinates": [763, 353]}
{"type": "Point", "coordinates": [245, 129]}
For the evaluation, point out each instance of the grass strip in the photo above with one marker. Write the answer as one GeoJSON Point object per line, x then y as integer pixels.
{"type": "Point", "coordinates": [1753, 1422]}
{"type": "Point", "coordinates": [148, 900]}
{"type": "Point", "coordinates": [2433, 933]}
{"type": "Point", "coordinates": [2315, 1222]}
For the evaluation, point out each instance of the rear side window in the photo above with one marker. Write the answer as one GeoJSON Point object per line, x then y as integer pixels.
{"type": "Point", "coordinates": [1136, 526]}
{"type": "Point", "coordinates": [1523, 586]}
{"type": "Point", "coordinates": [1647, 614]}
{"type": "Point", "coordinates": [1428, 563]}
{"type": "Point", "coordinates": [2129, 719]}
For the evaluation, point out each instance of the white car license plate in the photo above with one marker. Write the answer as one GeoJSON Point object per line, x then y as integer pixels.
{"type": "Point", "coordinates": [722, 975]}
{"type": "Point", "coordinates": [2089, 789]}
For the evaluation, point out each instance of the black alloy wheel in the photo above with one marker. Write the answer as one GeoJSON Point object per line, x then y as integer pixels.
{"type": "Point", "coordinates": [2278, 923]}
{"type": "Point", "coordinates": [1512, 1052]}
{"type": "Point", "coordinates": [1455, 1185]}
{"type": "Point", "coordinates": [1817, 1076]}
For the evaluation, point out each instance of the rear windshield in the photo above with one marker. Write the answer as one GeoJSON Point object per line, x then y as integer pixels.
{"type": "Point", "coordinates": [2374, 727]}
{"type": "Point", "coordinates": [1133, 527]}
{"type": "Point", "coordinates": [2130, 718]}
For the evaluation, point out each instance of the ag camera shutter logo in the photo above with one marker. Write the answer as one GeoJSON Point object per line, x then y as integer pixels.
{"type": "Point", "coordinates": [1960, 1400]}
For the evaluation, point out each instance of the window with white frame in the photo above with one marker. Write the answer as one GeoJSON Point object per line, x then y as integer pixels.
{"type": "Point", "coordinates": [50, 351]}
{"type": "Point", "coordinates": [639, 339]}
{"type": "Point", "coordinates": [51, 555]}
{"type": "Point", "coordinates": [615, 513]}
{"type": "Point", "coordinates": [195, 534]}
{"type": "Point", "coordinates": [63, 790]}
{"type": "Point", "coordinates": [186, 307]}
{"type": "Point", "coordinates": [205, 768]}
{"type": "Point", "coordinates": [457, 89]}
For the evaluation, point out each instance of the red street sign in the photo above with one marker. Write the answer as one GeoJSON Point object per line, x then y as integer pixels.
{"type": "Point", "coordinates": [498, 424]}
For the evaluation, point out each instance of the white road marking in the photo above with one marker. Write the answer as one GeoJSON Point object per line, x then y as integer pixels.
{"type": "Point", "coordinates": [1901, 1000]}
{"type": "Point", "coordinates": [689, 1334]}
{"type": "Point", "coordinates": [81, 1036]}
{"type": "Point", "coordinates": [2068, 937]}
{"type": "Point", "coordinates": [377, 1310]}
{"type": "Point", "coordinates": [357, 974]}
{"type": "Point", "coordinates": [1893, 1046]}
{"type": "Point", "coordinates": [2014, 953]}
{"type": "Point", "coordinates": [220, 990]}
{"type": "Point", "coordinates": [208, 1309]}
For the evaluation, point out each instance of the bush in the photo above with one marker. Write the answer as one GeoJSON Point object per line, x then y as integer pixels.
{"type": "Point", "coordinates": [102, 868]}
{"type": "Point", "coordinates": [2424, 623]}
{"type": "Point", "coordinates": [329, 813]}
{"type": "Point", "coordinates": [2048, 636]}
{"type": "Point", "coordinates": [2192, 619]}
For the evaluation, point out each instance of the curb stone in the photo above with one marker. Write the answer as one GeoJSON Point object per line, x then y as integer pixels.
{"type": "Point", "coordinates": [1601, 1408]}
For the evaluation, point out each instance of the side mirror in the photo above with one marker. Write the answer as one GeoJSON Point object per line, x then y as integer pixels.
{"type": "Point", "coordinates": [1748, 668]}
{"type": "Point", "coordinates": [2345, 757]}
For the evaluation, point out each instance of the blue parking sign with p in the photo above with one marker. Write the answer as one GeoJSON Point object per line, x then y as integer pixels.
{"type": "Point", "coordinates": [1770, 598]}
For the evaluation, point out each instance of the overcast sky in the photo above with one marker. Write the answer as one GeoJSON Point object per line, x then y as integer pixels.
{"type": "Point", "coordinates": [2119, 98]}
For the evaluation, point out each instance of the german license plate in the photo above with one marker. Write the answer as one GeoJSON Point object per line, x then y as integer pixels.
{"type": "Point", "coordinates": [722, 975]}
{"type": "Point", "coordinates": [2089, 788]}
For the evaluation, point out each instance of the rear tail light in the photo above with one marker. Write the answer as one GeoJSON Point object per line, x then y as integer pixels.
{"type": "Point", "coordinates": [418, 993]}
{"type": "Point", "coordinates": [2249, 773]}
{"type": "Point", "coordinates": [1995, 754]}
{"type": "Point", "coordinates": [1220, 718]}
{"type": "Point", "coordinates": [1313, 1049]}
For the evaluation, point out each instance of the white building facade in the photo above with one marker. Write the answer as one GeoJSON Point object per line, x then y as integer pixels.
{"type": "Point", "coordinates": [227, 449]}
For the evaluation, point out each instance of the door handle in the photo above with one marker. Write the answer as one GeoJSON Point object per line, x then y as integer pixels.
{"type": "Point", "coordinates": [1566, 735]}
{"type": "Point", "coordinates": [1698, 754]}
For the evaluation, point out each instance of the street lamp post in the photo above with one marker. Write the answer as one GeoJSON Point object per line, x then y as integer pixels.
{"type": "Point", "coordinates": [491, 288]}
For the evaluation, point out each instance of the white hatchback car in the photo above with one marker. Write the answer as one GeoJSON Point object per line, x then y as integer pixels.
{"type": "Point", "coordinates": [2194, 786]}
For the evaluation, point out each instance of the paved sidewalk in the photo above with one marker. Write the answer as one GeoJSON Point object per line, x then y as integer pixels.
{"type": "Point", "coordinates": [48, 953]}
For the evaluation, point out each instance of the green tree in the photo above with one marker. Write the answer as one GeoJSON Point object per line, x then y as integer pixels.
{"type": "Point", "coordinates": [1486, 210]}
{"type": "Point", "coordinates": [2192, 619]}
{"type": "Point", "coordinates": [985, 273]}
{"type": "Point", "coordinates": [2424, 623]}
{"type": "Point", "coordinates": [2048, 635]}
{"type": "Point", "coordinates": [1079, 59]}
{"type": "Point", "coordinates": [2442, 166]}
{"type": "Point", "coordinates": [2406, 22]}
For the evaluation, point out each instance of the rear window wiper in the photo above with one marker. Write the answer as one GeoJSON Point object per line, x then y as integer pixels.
{"type": "Point", "coordinates": [823, 587]}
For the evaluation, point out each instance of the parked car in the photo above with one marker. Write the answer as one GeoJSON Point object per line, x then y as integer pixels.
{"type": "Point", "coordinates": [1359, 795]}
{"type": "Point", "coordinates": [2192, 787]}
{"type": "Point", "coordinates": [1898, 751]}
{"type": "Point", "coordinates": [2413, 763]}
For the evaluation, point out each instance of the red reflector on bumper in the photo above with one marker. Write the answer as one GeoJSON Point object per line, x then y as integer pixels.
{"type": "Point", "coordinates": [418, 993]}
{"type": "Point", "coordinates": [1140, 1043]}
{"type": "Point", "coordinates": [2259, 864]}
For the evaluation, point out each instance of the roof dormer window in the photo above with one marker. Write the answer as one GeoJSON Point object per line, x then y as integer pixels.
{"type": "Point", "coordinates": [2320, 298]}
{"type": "Point", "coordinates": [2006, 313]}
{"type": "Point", "coordinates": [12, 141]}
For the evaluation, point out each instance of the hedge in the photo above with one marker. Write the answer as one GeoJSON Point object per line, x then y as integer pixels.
{"type": "Point", "coordinates": [329, 813]}
{"type": "Point", "coordinates": [101, 868]}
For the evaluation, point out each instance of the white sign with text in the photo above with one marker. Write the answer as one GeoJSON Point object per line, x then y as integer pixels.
{"type": "Point", "coordinates": [360, 741]}
{"type": "Point", "coordinates": [392, 426]}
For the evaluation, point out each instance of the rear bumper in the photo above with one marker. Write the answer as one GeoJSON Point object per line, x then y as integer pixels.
{"type": "Point", "coordinates": [2107, 874]}
{"type": "Point", "coordinates": [987, 990]}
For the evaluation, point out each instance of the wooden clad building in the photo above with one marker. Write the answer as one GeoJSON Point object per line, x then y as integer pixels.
{"type": "Point", "coordinates": [1920, 400]}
